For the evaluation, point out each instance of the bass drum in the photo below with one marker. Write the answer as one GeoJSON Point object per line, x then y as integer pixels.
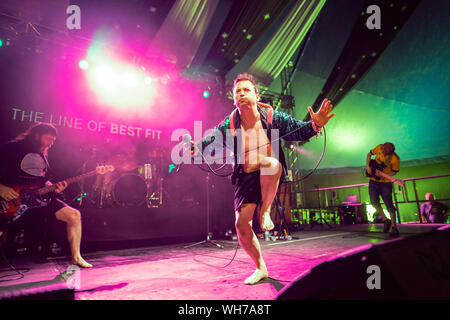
{"type": "Point", "coordinates": [129, 190]}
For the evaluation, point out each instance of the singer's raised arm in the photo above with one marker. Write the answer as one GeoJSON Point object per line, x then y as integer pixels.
{"type": "Point", "coordinates": [292, 129]}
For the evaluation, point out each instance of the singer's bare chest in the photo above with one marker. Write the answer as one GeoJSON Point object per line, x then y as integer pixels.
{"type": "Point", "coordinates": [254, 145]}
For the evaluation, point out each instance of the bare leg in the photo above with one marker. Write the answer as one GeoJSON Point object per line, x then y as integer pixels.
{"type": "Point", "coordinates": [269, 185]}
{"type": "Point", "coordinates": [249, 242]}
{"type": "Point", "coordinates": [72, 218]}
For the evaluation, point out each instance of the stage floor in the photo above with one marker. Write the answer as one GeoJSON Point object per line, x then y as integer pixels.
{"type": "Point", "coordinates": [198, 273]}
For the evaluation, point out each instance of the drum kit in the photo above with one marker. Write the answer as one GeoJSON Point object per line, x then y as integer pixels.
{"type": "Point", "coordinates": [131, 184]}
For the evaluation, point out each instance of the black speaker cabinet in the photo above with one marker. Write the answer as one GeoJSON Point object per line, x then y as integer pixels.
{"type": "Point", "coordinates": [417, 267]}
{"type": "Point", "coordinates": [43, 290]}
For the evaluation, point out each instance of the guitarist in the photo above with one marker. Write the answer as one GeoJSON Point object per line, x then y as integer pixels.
{"type": "Point", "coordinates": [389, 162]}
{"type": "Point", "coordinates": [23, 162]}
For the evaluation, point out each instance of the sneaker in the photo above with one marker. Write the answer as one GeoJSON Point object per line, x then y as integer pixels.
{"type": "Point", "coordinates": [394, 232]}
{"type": "Point", "coordinates": [387, 226]}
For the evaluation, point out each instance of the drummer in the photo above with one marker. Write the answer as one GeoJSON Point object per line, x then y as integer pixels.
{"type": "Point", "coordinates": [126, 161]}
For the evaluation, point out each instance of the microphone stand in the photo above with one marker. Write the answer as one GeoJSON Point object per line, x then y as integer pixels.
{"type": "Point", "coordinates": [83, 170]}
{"type": "Point", "coordinates": [208, 233]}
{"type": "Point", "coordinates": [314, 222]}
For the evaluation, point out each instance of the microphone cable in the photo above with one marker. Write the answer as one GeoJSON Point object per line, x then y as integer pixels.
{"type": "Point", "coordinates": [215, 171]}
{"type": "Point", "coordinates": [226, 175]}
{"type": "Point", "coordinates": [19, 272]}
{"type": "Point", "coordinates": [219, 267]}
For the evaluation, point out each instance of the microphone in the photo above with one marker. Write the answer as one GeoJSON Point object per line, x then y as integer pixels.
{"type": "Point", "coordinates": [187, 139]}
{"type": "Point", "coordinates": [186, 143]}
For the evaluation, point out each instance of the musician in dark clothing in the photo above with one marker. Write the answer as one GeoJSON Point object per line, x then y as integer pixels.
{"type": "Point", "coordinates": [433, 211]}
{"type": "Point", "coordinates": [23, 162]}
{"type": "Point", "coordinates": [380, 186]}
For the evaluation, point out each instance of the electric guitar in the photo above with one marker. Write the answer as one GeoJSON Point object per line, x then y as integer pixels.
{"type": "Point", "coordinates": [31, 197]}
{"type": "Point", "coordinates": [377, 172]}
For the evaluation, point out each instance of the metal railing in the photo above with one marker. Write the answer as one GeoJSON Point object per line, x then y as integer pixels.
{"type": "Point", "coordinates": [404, 191]}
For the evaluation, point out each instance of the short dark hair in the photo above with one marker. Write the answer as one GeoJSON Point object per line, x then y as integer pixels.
{"type": "Point", "coordinates": [248, 77]}
{"type": "Point", "coordinates": [390, 146]}
{"type": "Point", "coordinates": [40, 128]}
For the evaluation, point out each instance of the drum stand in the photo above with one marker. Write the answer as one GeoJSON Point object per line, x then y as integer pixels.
{"type": "Point", "coordinates": [320, 221]}
{"type": "Point", "coordinates": [82, 183]}
{"type": "Point", "coordinates": [153, 199]}
{"type": "Point", "coordinates": [103, 195]}
{"type": "Point", "coordinates": [208, 233]}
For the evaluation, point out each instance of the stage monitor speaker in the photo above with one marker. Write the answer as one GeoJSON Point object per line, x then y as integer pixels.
{"type": "Point", "coordinates": [417, 267]}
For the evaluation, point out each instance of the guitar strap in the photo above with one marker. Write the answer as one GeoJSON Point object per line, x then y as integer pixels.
{"type": "Point", "coordinates": [388, 160]}
{"type": "Point", "coordinates": [47, 168]}
{"type": "Point", "coordinates": [45, 199]}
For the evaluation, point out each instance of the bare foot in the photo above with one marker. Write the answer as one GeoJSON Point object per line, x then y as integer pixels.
{"type": "Point", "coordinates": [258, 275]}
{"type": "Point", "coordinates": [79, 261]}
{"type": "Point", "coordinates": [264, 220]}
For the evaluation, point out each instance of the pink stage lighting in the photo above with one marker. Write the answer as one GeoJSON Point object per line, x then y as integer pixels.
{"type": "Point", "coordinates": [304, 152]}
{"type": "Point", "coordinates": [148, 80]}
{"type": "Point", "coordinates": [119, 84]}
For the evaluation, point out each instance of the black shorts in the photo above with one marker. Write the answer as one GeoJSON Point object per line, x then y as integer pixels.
{"type": "Point", "coordinates": [54, 206]}
{"type": "Point", "coordinates": [38, 213]}
{"type": "Point", "coordinates": [248, 189]}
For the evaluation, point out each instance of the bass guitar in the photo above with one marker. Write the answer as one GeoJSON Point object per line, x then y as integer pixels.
{"type": "Point", "coordinates": [377, 172]}
{"type": "Point", "coordinates": [31, 197]}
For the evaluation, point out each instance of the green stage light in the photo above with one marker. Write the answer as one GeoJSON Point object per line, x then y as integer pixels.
{"type": "Point", "coordinates": [171, 167]}
{"type": "Point", "coordinates": [371, 213]}
{"type": "Point", "coordinates": [83, 64]}
{"type": "Point", "coordinates": [1, 42]}
{"type": "Point", "coordinates": [206, 94]}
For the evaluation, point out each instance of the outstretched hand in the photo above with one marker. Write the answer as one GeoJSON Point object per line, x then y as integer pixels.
{"type": "Point", "coordinates": [321, 117]}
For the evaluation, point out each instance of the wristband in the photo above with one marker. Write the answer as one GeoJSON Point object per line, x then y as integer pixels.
{"type": "Point", "coordinates": [316, 127]}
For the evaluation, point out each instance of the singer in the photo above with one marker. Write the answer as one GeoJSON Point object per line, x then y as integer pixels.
{"type": "Point", "coordinates": [259, 171]}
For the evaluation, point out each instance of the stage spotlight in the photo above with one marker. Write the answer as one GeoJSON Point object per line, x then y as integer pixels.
{"type": "Point", "coordinates": [83, 64]}
{"type": "Point", "coordinates": [206, 94]}
{"type": "Point", "coordinates": [130, 80]}
{"type": "Point", "coordinates": [106, 78]}
{"type": "Point", "coordinates": [148, 80]}
{"type": "Point", "coordinates": [1, 43]}
{"type": "Point", "coordinates": [118, 83]}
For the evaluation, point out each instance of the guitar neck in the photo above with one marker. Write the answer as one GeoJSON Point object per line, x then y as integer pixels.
{"type": "Point", "coordinates": [381, 173]}
{"type": "Point", "coordinates": [51, 188]}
